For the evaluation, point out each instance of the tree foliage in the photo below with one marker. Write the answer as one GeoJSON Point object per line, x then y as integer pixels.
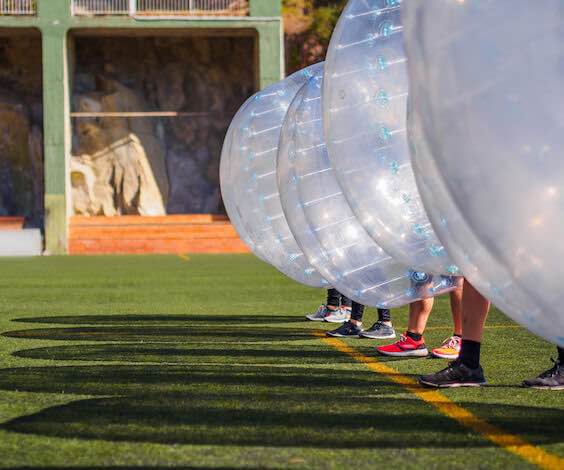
{"type": "Point", "coordinates": [309, 24]}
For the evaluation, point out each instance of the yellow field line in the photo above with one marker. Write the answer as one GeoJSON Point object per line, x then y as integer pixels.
{"type": "Point", "coordinates": [184, 257]}
{"type": "Point", "coordinates": [509, 442]}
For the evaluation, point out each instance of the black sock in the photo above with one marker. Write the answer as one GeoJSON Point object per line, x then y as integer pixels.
{"type": "Point", "coordinates": [384, 315]}
{"type": "Point", "coordinates": [357, 311]}
{"type": "Point", "coordinates": [345, 301]}
{"type": "Point", "coordinates": [333, 298]}
{"type": "Point", "coordinates": [561, 355]}
{"type": "Point", "coordinates": [470, 353]}
{"type": "Point", "coordinates": [414, 336]}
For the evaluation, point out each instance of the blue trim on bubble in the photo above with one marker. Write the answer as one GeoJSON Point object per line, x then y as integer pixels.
{"type": "Point", "coordinates": [385, 29]}
{"type": "Point", "coordinates": [453, 269]}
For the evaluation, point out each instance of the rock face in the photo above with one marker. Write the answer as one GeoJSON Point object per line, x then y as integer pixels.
{"type": "Point", "coordinates": [21, 137]}
{"type": "Point", "coordinates": [125, 165]}
{"type": "Point", "coordinates": [154, 165]}
{"type": "Point", "coordinates": [119, 166]}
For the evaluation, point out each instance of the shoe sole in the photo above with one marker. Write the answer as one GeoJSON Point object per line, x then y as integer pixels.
{"type": "Point", "coordinates": [454, 385]}
{"type": "Point", "coordinates": [314, 319]}
{"type": "Point", "coordinates": [378, 337]}
{"type": "Point", "coordinates": [414, 353]}
{"type": "Point", "coordinates": [335, 320]}
{"type": "Point", "coordinates": [444, 356]}
{"type": "Point", "coordinates": [538, 387]}
{"type": "Point", "coordinates": [338, 335]}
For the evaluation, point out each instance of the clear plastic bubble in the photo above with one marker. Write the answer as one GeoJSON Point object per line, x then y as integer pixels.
{"type": "Point", "coordinates": [365, 106]}
{"type": "Point", "coordinates": [227, 195]}
{"type": "Point", "coordinates": [248, 179]}
{"type": "Point", "coordinates": [488, 137]}
{"type": "Point", "coordinates": [323, 223]}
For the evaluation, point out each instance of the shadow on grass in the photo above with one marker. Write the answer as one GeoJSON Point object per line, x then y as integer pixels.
{"type": "Point", "coordinates": [170, 334]}
{"type": "Point", "coordinates": [236, 394]}
{"type": "Point", "coordinates": [138, 380]}
{"type": "Point", "coordinates": [161, 319]}
{"type": "Point", "coordinates": [254, 406]}
{"type": "Point", "coordinates": [268, 353]}
{"type": "Point", "coordinates": [279, 421]}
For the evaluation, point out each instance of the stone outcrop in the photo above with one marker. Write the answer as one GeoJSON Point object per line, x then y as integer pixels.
{"type": "Point", "coordinates": [21, 123]}
{"type": "Point", "coordinates": [118, 179]}
{"type": "Point", "coordinates": [154, 165]}
{"type": "Point", "coordinates": [21, 163]}
{"type": "Point", "coordinates": [118, 165]}
{"type": "Point", "coordinates": [125, 165]}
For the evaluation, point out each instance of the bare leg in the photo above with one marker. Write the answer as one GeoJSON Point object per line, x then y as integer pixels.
{"type": "Point", "coordinates": [475, 309]}
{"type": "Point", "coordinates": [466, 371]}
{"type": "Point", "coordinates": [456, 307]}
{"type": "Point", "coordinates": [419, 314]}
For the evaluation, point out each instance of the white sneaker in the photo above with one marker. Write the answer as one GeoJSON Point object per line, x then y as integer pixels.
{"type": "Point", "coordinates": [320, 314]}
{"type": "Point", "coordinates": [340, 315]}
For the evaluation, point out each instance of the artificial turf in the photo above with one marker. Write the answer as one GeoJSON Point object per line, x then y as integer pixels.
{"type": "Point", "coordinates": [155, 361]}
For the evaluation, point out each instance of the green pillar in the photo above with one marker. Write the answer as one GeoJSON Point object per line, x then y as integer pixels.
{"type": "Point", "coordinates": [271, 40]}
{"type": "Point", "coordinates": [55, 115]}
{"type": "Point", "coordinates": [271, 53]}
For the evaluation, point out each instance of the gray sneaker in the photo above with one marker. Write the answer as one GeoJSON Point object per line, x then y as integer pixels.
{"type": "Point", "coordinates": [320, 314]}
{"type": "Point", "coordinates": [552, 379]}
{"type": "Point", "coordinates": [340, 315]}
{"type": "Point", "coordinates": [379, 330]}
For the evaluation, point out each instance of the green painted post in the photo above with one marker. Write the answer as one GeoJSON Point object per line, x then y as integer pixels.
{"type": "Point", "coordinates": [271, 40]}
{"type": "Point", "coordinates": [53, 15]}
{"type": "Point", "coordinates": [271, 53]}
{"type": "Point", "coordinates": [55, 105]}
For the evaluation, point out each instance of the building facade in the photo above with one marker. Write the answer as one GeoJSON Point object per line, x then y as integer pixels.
{"type": "Point", "coordinates": [135, 89]}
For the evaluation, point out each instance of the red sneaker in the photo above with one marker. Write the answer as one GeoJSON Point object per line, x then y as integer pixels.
{"type": "Point", "coordinates": [404, 347]}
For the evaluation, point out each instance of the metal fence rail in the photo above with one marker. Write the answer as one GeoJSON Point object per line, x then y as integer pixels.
{"type": "Point", "coordinates": [100, 7]}
{"type": "Point", "coordinates": [160, 7]}
{"type": "Point", "coordinates": [17, 7]}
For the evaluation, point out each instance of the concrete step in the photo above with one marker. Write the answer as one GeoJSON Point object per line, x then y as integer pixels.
{"type": "Point", "coordinates": [26, 242]}
{"type": "Point", "coordinates": [174, 234]}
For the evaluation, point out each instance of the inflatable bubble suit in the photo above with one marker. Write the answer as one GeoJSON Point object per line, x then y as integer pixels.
{"type": "Point", "coordinates": [248, 180]}
{"type": "Point", "coordinates": [365, 106]}
{"type": "Point", "coordinates": [333, 240]}
{"type": "Point", "coordinates": [488, 111]}
{"type": "Point", "coordinates": [228, 199]}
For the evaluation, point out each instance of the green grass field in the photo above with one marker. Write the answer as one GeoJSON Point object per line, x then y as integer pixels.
{"type": "Point", "coordinates": [141, 362]}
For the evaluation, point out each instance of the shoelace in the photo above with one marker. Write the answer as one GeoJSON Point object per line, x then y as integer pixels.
{"type": "Point", "coordinates": [451, 369]}
{"type": "Point", "coordinates": [551, 372]}
{"type": "Point", "coordinates": [451, 342]}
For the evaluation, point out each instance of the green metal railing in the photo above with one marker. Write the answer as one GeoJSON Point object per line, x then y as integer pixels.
{"type": "Point", "coordinates": [160, 7]}
{"type": "Point", "coordinates": [18, 7]}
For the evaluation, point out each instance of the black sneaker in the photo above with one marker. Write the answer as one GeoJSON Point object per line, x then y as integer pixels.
{"type": "Point", "coordinates": [552, 379]}
{"type": "Point", "coordinates": [346, 330]}
{"type": "Point", "coordinates": [455, 375]}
